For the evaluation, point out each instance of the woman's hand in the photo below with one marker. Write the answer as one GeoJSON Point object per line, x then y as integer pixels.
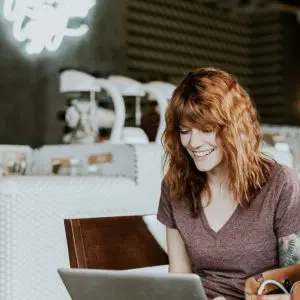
{"type": "Point", "coordinates": [220, 298]}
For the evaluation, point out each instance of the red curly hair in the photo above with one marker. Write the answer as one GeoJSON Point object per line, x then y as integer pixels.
{"type": "Point", "coordinates": [211, 99]}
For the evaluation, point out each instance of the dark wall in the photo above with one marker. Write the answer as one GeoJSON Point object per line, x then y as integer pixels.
{"type": "Point", "coordinates": [291, 71]}
{"type": "Point", "coordinates": [275, 65]}
{"type": "Point", "coordinates": [21, 106]}
{"type": "Point", "coordinates": [167, 38]}
{"type": "Point", "coordinates": [30, 84]}
{"type": "Point", "coordinates": [267, 64]}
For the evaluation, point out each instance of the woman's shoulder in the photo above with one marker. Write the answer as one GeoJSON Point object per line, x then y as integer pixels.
{"type": "Point", "coordinates": [286, 192]}
{"type": "Point", "coordinates": [165, 184]}
{"type": "Point", "coordinates": [281, 178]}
{"type": "Point", "coordinates": [283, 185]}
{"type": "Point", "coordinates": [283, 175]}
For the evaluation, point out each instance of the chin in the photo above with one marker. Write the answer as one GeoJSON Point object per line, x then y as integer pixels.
{"type": "Point", "coordinates": [203, 168]}
{"type": "Point", "coordinates": [207, 166]}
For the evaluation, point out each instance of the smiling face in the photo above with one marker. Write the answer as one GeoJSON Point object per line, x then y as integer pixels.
{"type": "Point", "coordinates": [203, 147]}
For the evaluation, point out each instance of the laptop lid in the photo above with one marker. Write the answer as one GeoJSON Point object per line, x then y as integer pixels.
{"type": "Point", "coordinates": [88, 284]}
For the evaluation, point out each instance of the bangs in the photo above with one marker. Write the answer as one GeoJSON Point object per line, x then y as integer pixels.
{"type": "Point", "coordinates": [191, 114]}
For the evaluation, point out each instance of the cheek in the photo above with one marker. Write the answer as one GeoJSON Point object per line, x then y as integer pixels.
{"type": "Point", "coordinates": [213, 140]}
{"type": "Point", "coordinates": [218, 156]}
{"type": "Point", "coordinates": [184, 139]}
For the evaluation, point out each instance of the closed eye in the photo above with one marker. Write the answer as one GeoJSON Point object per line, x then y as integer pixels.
{"type": "Point", "coordinates": [184, 131]}
{"type": "Point", "coordinates": [207, 131]}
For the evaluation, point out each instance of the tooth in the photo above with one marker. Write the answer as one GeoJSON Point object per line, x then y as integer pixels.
{"type": "Point", "coordinates": [202, 153]}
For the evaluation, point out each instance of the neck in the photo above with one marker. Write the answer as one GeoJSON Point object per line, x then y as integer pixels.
{"type": "Point", "coordinates": [217, 178]}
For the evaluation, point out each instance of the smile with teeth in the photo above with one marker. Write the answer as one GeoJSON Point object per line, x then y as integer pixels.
{"type": "Point", "coordinates": [203, 153]}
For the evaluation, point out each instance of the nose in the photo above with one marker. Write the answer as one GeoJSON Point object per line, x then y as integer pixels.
{"type": "Point", "coordinates": [195, 139]}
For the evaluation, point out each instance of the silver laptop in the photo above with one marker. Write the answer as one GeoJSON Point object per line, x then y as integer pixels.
{"type": "Point", "coordinates": [87, 284]}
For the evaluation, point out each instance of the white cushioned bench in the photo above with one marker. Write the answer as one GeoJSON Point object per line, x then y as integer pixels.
{"type": "Point", "coordinates": [32, 212]}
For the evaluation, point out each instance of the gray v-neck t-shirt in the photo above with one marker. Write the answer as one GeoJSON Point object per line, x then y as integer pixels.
{"type": "Point", "coordinates": [247, 244]}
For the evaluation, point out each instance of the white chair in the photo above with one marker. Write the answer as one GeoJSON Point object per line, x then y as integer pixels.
{"type": "Point", "coordinates": [158, 90]}
{"type": "Point", "coordinates": [134, 135]}
{"type": "Point", "coordinates": [161, 92]}
{"type": "Point", "coordinates": [87, 112]}
{"type": "Point", "coordinates": [132, 88]}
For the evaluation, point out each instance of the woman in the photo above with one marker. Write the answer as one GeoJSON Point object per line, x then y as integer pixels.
{"type": "Point", "coordinates": [230, 211]}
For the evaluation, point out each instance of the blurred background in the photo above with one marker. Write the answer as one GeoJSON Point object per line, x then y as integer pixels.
{"type": "Point", "coordinates": [256, 40]}
{"type": "Point", "coordinates": [76, 73]}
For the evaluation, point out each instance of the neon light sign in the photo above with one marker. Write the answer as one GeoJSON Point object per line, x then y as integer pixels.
{"type": "Point", "coordinates": [43, 24]}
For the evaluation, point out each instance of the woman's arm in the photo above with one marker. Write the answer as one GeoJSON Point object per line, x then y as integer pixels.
{"type": "Point", "coordinates": [179, 261]}
{"type": "Point", "coordinates": [289, 250]}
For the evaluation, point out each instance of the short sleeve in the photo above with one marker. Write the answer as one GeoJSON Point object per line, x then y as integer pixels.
{"type": "Point", "coordinates": [287, 215]}
{"type": "Point", "coordinates": [165, 211]}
